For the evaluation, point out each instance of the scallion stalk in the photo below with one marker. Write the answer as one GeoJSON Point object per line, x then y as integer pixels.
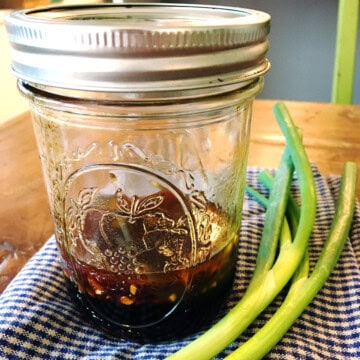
{"type": "Point", "coordinates": [304, 288]}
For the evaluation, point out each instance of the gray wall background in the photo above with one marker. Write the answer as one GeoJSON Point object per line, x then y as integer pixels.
{"type": "Point", "coordinates": [302, 47]}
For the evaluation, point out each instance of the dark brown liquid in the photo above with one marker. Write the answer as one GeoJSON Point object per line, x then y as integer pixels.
{"type": "Point", "coordinates": [161, 302]}
{"type": "Point", "coordinates": [147, 307]}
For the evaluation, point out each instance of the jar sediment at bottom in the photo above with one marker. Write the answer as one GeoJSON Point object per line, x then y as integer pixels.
{"type": "Point", "coordinates": [156, 321]}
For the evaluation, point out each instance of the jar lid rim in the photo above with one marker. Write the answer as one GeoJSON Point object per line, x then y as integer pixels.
{"type": "Point", "coordinates": [116, 47]}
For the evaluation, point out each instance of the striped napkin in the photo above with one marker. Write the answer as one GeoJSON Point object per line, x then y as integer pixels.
{"type": "Point", "coordinates": [39, 321]}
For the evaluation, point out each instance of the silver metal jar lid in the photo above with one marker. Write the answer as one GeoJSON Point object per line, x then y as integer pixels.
{"type": "Point", "coordinates": [139, 50]}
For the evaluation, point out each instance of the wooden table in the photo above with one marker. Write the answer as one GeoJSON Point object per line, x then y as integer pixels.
{"type": "Point", "coordinates": [331, 135]}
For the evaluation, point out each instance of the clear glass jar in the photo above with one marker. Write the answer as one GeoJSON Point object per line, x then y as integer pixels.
{"type": "Point", "coordinates": [146, 186]}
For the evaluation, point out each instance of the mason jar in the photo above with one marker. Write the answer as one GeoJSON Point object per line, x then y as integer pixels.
{"type": "Point", "coordinates": [142, 118]}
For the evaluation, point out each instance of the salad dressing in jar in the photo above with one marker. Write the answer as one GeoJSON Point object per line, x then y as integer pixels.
{"type": "Point", "coordinates": [142, 117]}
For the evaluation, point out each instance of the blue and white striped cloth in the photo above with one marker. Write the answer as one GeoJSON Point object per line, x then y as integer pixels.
{"type": "Point", "coordinates": [39, 321]}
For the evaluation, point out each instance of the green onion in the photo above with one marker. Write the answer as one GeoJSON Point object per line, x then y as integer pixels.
{"type": "Point", "coordinates": [293, 210]}
{"type": "Point", "coordinates": [282, 255]}
{"type": "Point", "coordinates": [273, 220]}
{"type": "Point", "coordinates": [304, 288]}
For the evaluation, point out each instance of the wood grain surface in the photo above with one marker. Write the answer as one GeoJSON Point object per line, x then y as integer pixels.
{"type": "Point", "coordinates": [331, 136]}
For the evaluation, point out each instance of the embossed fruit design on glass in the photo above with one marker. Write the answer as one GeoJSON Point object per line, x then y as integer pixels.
{"type": "Point", "coordinates": [142, 117]}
